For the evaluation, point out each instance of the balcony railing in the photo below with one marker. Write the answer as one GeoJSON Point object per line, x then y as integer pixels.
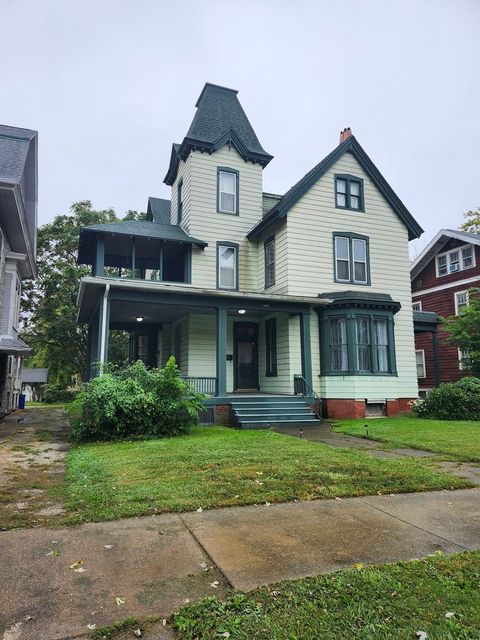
{"type": "Point", "coordinates": [200, 384]}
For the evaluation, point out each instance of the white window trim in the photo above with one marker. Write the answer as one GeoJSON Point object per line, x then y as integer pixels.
{"type": "Point", "coordinates": [419, 302]}
{"type": "Point", "coordinates": [461, 356]}
{"type": "Point", "coordinates": [342, 259]}
{"type": "Point", "coordinates": [365, 262]}
{"type": "Point", "coordinates": [422, 351]}
{"type": "Point", "coordinates": [234, 193]}
{"type": "Point", "coordinates": [460, 254]}
{"type": "Point", "coordinates": [455, 296]}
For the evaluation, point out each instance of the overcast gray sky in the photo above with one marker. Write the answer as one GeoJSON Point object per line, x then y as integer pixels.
{"type": "Point", "coordinates": [110, 85]}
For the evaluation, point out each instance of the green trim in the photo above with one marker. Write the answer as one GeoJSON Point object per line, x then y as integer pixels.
{"type": "Point", "coordinates": [271, 348]}
{"type": "Point", "coordinates": [306, 347]}
{"type": "Point", "coordinates": [351, 236]}
{"type": "Point", "coordinates": [237, 275]}
{"type": "Point", "coordinates": [349, 179]}
{"type": "Point", "coordinates": [179, 201]}
{"type": "Point", "coordinates": [350, 145]}
{"type": "Point", "coordinates": [221, 351]}
{"type": "Point", "coordinates": [351, 315]}
{"type": "Point", "coordinates": [268, 241]}
{"type": "Point", "coordinates": [237, 189]}
{"type": "Point", "coordinates": [100, 257]}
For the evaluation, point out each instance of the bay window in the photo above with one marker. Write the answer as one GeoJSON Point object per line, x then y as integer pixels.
{"type": "Point", "coordinates": [338, 344]}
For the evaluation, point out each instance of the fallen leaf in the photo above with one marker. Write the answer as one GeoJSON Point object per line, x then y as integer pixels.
{"type": "Point", "coordinates": [199, 510]}
{"type": "Point", "coordinates": [119, 601]}
{"type": "Point", "coordinates": [422, 635]}
{"type": "Point", "coordinates": [268, 504]}
{"type": "Point", "coordinates": [76, 564]}
{"type": "Point", "coordinates": [225, 635]}
{"type": "Point", "coordinates": [138, 633]}
{"type": "Point", "coordinates": [108, 546]}
{"type": "Point", "coordinates": [54, 553]}
{"type": "Point", "coordinates": [379, 493]}
{"type": "Point", "coordinates": [358, 565]}
{"type": "Point", "coordinates": [215, 584]}
{"type": "Point", "coordinates": [449, 614]}
{"type": "Point", "coordinates": [235, 497]}
{"type": "Point", "coordinates": [164, 622]}
{"type": "Point", "coordinates": [258, 482]}
{"type": "Point", "coordinates": [337, 498]}
{"type": "Point", "coordinates": [92, 627]}
{"type": "Point", "coordinates": [79, 570]}
{"type": "Point", "coordinates": [259, 473]}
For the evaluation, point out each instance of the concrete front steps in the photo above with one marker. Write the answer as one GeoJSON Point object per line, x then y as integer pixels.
{"type": "Point", "coordinates": [263, 412]}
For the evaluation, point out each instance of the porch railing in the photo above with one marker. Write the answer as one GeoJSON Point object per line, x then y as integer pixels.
{"type": "Point", "coordinates": [302, 388]}
{"type": "Point", "coordinates": [200, 384]}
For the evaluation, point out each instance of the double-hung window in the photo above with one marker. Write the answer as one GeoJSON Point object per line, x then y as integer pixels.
{"type": "Point", "coordinates": [351, 258]}
{"type": "Point", "coordinates": [227, 266]}
{"type": "Point", "coordinates": [271, 347]}
{"type": "Point", "coordinates": [380, 345]}
{"type": "Point", "coordinates": [455, 260]}
{"type": "Point", "coordinates": [417, 306]}
{"type": "Point", "coordinates": [461, 301]}
{"type": "Point", "coordinates": [363, 345]}
{"type": "Point", "coordinates": [180, 202]}
{"type": "Point", "coordinates": [349, 192]}
{"type": "Point", "coordinates": [420, 359]}
{"type": "Point", "coordinates": [269, 262]}
{"type": "Point", "coordinates": [227, 191]}
{"type": "Point", "coordinates": [338, 345]}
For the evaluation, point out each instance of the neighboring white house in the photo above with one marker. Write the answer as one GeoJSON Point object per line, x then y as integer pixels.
{"type": "Point", "coordinates": [18, 237]}
{"type": "Point", "coordinates": [258, 293]}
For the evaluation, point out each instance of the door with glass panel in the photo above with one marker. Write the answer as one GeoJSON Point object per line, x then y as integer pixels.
{"type": "Point", "coordinates": [245, 356]}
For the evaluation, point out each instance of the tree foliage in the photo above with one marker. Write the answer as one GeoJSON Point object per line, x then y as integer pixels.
{"type": "Point", "coordinates": [48, 309]}
{"type": "Point", "coordinates": [464, 332]}
{"type": "Point", "coordinates": [472, 221]}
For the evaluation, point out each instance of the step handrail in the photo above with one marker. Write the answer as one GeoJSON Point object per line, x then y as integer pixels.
{"type": "Point", "coordinates": [303, 388]}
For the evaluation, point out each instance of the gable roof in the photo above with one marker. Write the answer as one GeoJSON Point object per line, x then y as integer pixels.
{"type": "Point", "coordinates": [219, 120]}
{"type": "Point", "coordinates": [350, 145]}
{"type": "Point", "coordinates": [158, 210]}
{"type": "Point", "coordinates": [436, 245]}
{"type": "Point", "coordinates": [14, 148]}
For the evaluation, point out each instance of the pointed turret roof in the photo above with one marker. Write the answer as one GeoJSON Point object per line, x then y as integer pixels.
{"type": "Point", "coordinates": [220, 119]}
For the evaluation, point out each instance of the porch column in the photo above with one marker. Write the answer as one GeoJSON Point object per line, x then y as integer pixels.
{"type": "Point", "coordinates": [221, 351]}
{"type": "Point", "coordinates": [306, 347]}
{"type": "Point", "coordinates": [100, 257]}
{"type": "Point", "coordinates": [436, 359]}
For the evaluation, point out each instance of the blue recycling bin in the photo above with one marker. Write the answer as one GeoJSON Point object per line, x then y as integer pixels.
{"type": "Point", "coordinates": [21, 401]}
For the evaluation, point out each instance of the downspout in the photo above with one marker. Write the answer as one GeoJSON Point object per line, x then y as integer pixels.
{"type": "Point", "coordinates": [104, 323]}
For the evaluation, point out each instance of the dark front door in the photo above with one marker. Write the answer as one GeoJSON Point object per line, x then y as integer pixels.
{"type": "Point", "coordinates": [246, 356]}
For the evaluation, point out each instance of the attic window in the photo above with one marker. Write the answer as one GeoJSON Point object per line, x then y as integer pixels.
{"type": "Point", "coordinates": [227, 191]}
{"type": "Point", "coordinates": [455, 260]}
{"type": "Point", "coordinates": [349, 192]}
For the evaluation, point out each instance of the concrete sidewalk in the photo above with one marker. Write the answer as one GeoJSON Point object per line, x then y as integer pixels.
{"type": "Point", "coordinates": [155, 564]}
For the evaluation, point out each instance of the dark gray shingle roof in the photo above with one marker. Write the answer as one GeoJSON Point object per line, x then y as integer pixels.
{"type": "Point", "coordinates": [158, 210]}
{"type": "Point", "coordinates": [14, 146]}
{"type": "Point", "coordinates": [361, 298]}
{"type": "Point", "coordinates": [145, 229]}
{"type": "Point", "coordinates": [426, 316]}
{"type": "Point", "coordinates": [220, 119]}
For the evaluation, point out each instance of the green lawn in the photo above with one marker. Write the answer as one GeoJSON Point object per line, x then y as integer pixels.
{"type": "Point", "coordinates": [219, 467]}
{"type": "Point", "coordinates": [460, 439]}
{"type": "Point", "coordinates": [388, 602]}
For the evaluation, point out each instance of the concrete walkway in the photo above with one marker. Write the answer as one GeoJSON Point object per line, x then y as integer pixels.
{"type": "Point", "coordinates": [155, 564]}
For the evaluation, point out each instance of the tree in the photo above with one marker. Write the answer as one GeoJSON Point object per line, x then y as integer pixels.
{"type": "Point", "coordinates": [464, 332]}
{"type": "Point", "coordinates": [472, 221]}
{"type": "Point", "coordinates": [48, 309]}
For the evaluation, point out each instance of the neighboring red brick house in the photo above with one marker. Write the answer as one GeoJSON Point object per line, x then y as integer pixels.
{"type": "Point", "coordinates": [441, 277]}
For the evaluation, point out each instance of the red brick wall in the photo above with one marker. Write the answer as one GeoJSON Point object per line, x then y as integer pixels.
{"type": "Point", "coordinates": [222, 414]}
{"type": "Point", "coordinates": [343, 408]}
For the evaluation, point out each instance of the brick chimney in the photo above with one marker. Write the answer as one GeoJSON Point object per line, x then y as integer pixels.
{"type": "Point", "coordinates": [346, 133]}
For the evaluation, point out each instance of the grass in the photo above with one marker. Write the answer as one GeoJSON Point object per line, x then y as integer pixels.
{"type": "Point", "coordinates": [388, 602]}
{"type": "Point", "coordinates": [220, 467]}
{"type": "Point", "coordinates": [459, 439]}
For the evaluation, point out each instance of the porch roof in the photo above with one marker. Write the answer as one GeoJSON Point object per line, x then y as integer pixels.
{"type": "Point", "coordinates": [139, 291]}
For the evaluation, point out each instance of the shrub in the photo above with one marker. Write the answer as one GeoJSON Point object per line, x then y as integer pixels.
{"type": "Point", "coordinates": [137, 402]}
{"type": "Point", "coordinates": [54, 394]}
{"type": "Point", "coordinates": [451, 401]}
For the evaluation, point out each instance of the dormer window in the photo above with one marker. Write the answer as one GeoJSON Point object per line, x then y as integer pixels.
{"type": "Point", "coordinates": [180, 202]}
{"type": "Point", "coordinates": [455, 260]}
{"type": "Point", "coordinates": [227, 191]}
{"type": "Point", "coordinates": [349, 192]}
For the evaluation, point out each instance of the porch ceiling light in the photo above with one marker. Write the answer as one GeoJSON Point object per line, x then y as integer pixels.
{"type": "Point", "coordinates": [139, 319]}
{"type": "Point", "coordinates": [242, 312]}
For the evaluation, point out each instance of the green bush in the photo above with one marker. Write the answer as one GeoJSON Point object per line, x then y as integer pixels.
{"type": "Point", "coordinates": [451, 401]}
{"type": "Point", "coordinates": [137, 402]}
{"type": "Point", "coordinates": [52, 394]}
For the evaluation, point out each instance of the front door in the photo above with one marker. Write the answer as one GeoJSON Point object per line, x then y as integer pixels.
{"type": "Point", "coordinates": [245, 356]}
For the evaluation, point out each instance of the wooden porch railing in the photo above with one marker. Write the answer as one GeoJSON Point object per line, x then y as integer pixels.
{"type": "Point", "coordinates": [200, 384]}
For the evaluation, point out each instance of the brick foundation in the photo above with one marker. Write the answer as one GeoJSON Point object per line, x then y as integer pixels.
{"type": "Point", "coordinates": [343, 408]}
{"type": "Point", "coordinates": [392, 407]}
{"type": "Point", "coordinates": [404, 405]}
{"type": "Point", "coordinates": [222, 414]}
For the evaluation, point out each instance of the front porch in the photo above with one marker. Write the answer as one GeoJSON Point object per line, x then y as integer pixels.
{"type": "Point", "coordinates": [230, 346]}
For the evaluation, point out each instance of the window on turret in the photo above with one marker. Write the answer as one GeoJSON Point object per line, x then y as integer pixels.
{"type": "Point", "coordinates": [227, 191]}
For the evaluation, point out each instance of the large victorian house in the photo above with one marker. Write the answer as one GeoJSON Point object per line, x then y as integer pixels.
{"type": "Point", "coordinates": [268, 302]}
{"type": "Point", "coordinates": [18, 238]}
